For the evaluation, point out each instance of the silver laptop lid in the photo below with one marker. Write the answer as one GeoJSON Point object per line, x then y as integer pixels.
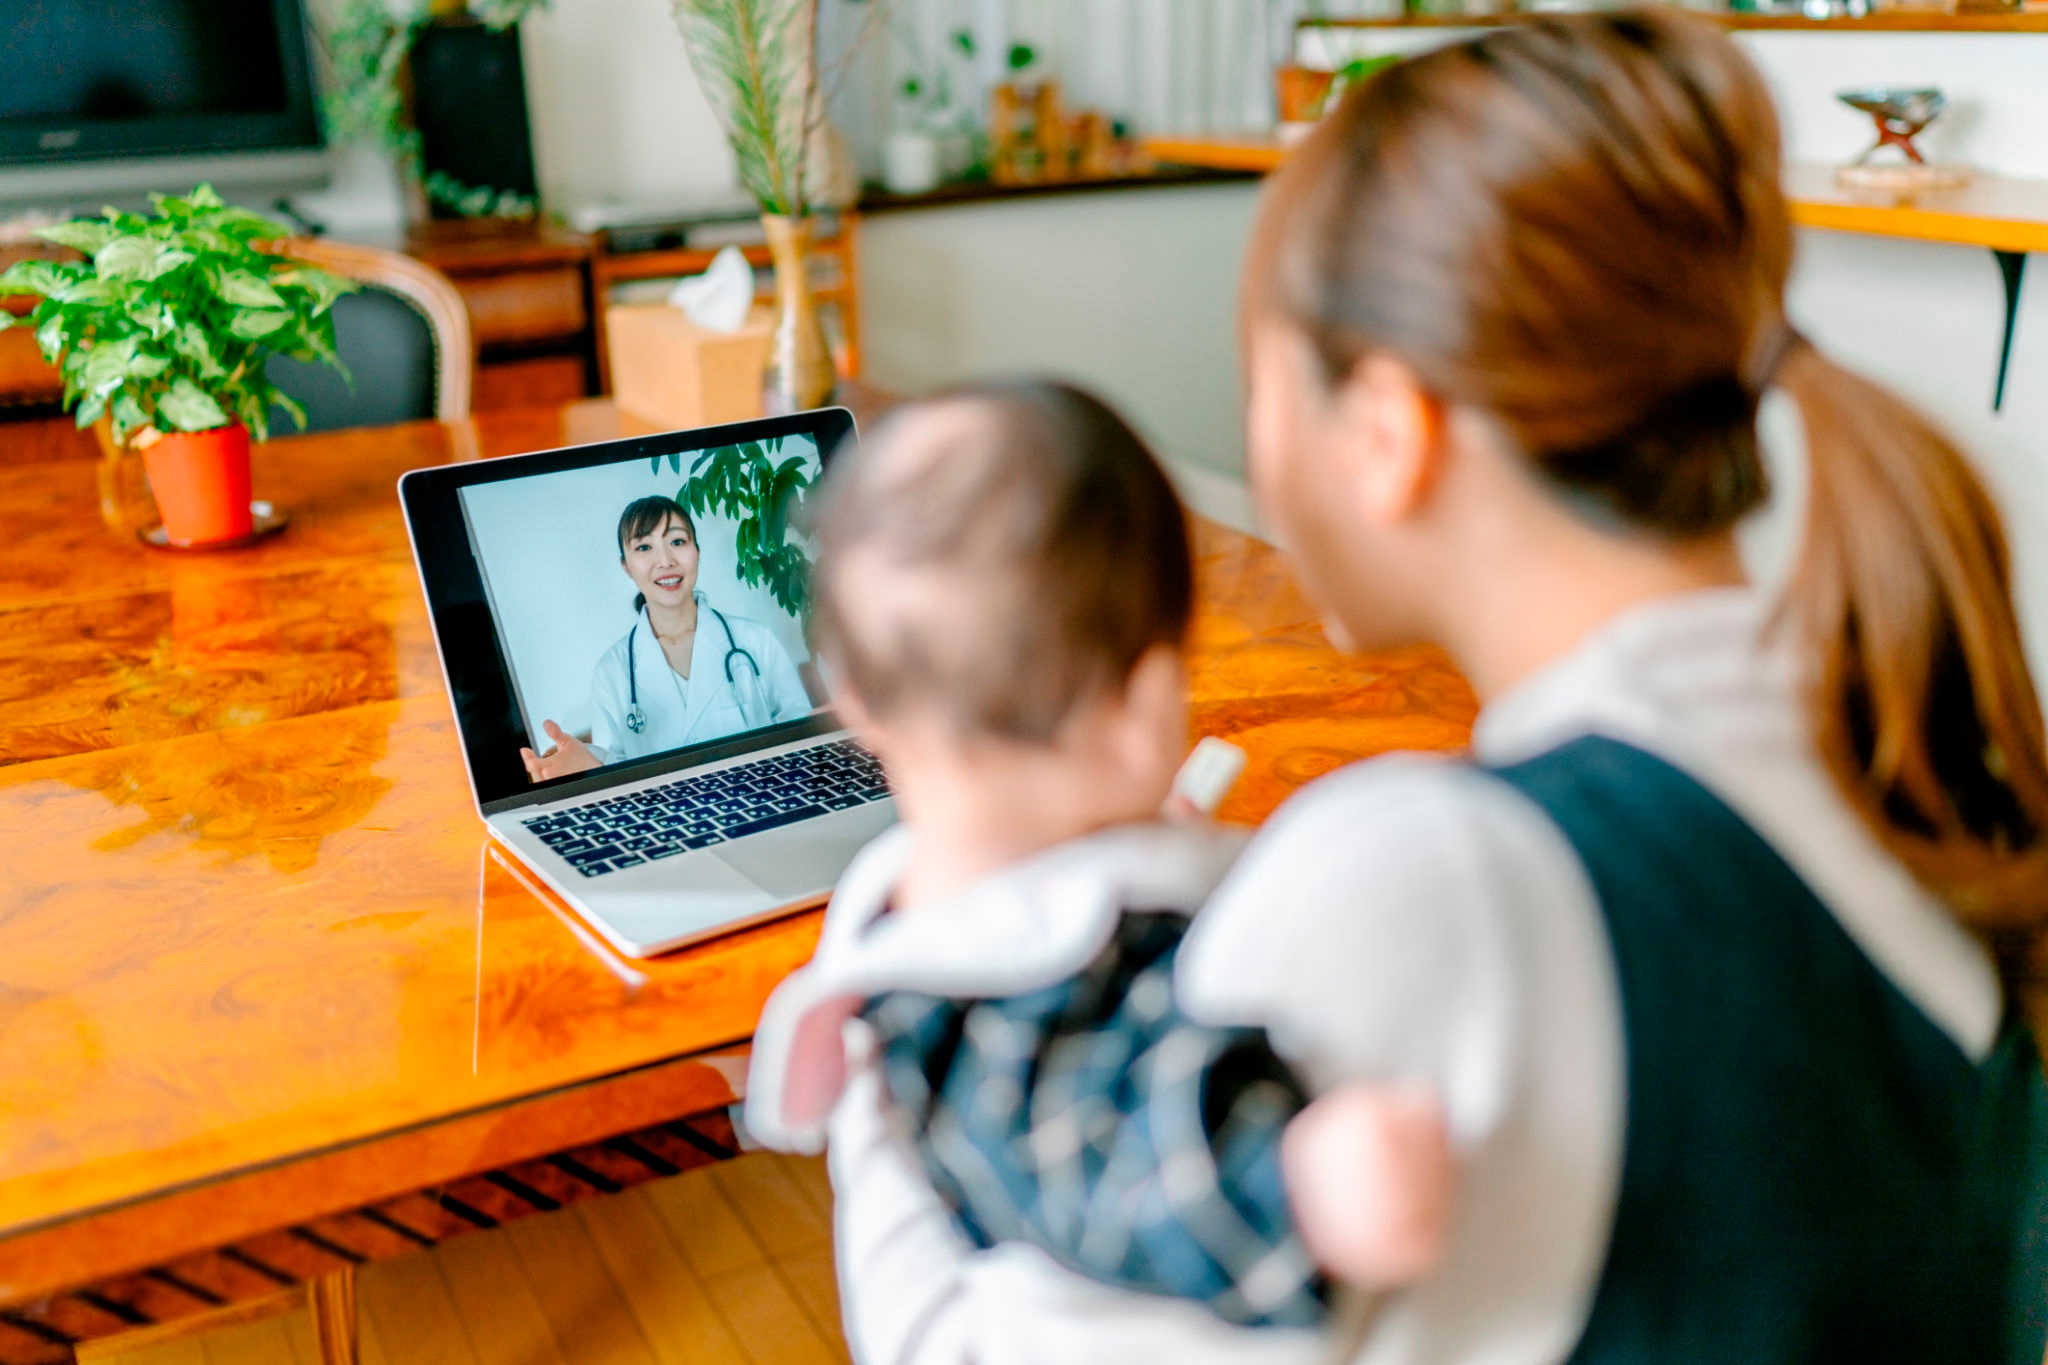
{"type": "Point", "coordinates": [569, 589]}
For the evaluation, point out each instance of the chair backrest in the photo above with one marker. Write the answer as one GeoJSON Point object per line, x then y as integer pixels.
{"type": "Point", "coordinates": [405, 338]}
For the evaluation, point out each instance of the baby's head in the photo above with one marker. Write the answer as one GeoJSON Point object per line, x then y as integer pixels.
{"type": "Point", "coordinates": [1003, 582]}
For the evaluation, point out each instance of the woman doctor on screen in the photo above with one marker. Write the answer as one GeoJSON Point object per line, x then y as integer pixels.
{"type": "Point", "coordinates": [686, 672]}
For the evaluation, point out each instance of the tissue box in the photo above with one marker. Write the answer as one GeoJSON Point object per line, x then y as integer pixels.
{"type": "Point", "coordinates": [668, 370]}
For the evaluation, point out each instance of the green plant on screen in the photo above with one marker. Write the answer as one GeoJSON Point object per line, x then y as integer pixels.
{"type": "Point", "coordinates": [168, 324]}
{"type": "Point", "coordinates": [761, 495]}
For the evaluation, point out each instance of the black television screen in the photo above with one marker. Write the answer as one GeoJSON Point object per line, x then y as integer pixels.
{"type": "Point", "coordinates": [107, 78]}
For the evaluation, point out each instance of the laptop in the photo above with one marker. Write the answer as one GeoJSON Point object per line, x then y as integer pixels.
{"type": "Point", "coordinates": [680, 807]}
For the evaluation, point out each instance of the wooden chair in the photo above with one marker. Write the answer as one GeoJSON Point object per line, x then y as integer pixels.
{"type": "Point", "coordinates": [406, 339]}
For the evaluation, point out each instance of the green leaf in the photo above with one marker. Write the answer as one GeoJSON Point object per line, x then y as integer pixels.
{"type": "Point", "coordinates": [128, 258]}
{"type": "Point", "coordinates": [324, 287]}
{"type": "Point", "coordinates": [257, 323]}
{"type": "Point", "coordinates": [167, 260]}
{"type": "Point", "coordinates": [187, 408]}
{"type": "Point", "coordinates": [47, 278]}
{"type": "Point", "coordinates": [52, 334]}
{"type": "Point", "coordinates": [293, 408]}
{"type": "Point", "coordinates": [190, 342]}
{"type": "Point", "coordinates": [1021, 56]}
{"type": "Point", "coordinates": [152, 314]}
{"type": "Point", "coordinates": [245, 289]}
{"type": "Point", "coordinates": [84, 235]}
{"type": "Point", "coordinates": [91, 291]}
{"type": "Point", "coordinates": [106, 367]}
{"type": "Point", "coordinates": [128, 416]}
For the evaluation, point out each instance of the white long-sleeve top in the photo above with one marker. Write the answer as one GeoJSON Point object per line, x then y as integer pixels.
{"type": "Point", "coordinates": [1413, 918]}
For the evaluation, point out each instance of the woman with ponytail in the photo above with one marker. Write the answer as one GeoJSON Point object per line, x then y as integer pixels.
{"type": "Point", "coordinates": [1721, 956]}
{"type": "Point", "coordinates": [1718, 960]}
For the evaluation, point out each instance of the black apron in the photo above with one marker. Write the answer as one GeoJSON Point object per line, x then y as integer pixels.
{"type": "Point", "coordinates": [1813, 1171]}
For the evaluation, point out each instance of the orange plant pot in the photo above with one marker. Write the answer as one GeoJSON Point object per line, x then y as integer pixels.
{"type": "Point", "coordinates": [201, 483]}
{"type": "Point", "coordinates": [1301, 93]}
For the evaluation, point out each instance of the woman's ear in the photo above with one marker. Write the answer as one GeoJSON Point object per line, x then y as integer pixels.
{"type": "Point", "coordinates": [1392, 448]}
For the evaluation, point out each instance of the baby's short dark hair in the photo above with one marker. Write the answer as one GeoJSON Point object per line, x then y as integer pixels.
{"type": "Point", "coordinates": [1002, 551]}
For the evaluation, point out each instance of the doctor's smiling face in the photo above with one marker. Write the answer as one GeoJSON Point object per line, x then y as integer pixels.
{"type": "Point", "coordinates": [662, 561]}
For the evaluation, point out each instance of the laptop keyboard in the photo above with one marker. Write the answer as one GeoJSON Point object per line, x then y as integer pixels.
{"type": "Point", "coordinates": [711, 808]}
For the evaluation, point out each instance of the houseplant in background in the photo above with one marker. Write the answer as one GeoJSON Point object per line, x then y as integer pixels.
{"type": "Point", "coordinates": [758, 63]}
{"type": "Point", "coordinates": [764, 497]}
{"type": "Point", "coordinates": [161, 335]}
{"type": "Point", "coordinates": [367, 44]}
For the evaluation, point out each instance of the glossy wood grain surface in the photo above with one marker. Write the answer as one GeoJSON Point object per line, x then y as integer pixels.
{"type": "Point", "coordinates": [251, 928]}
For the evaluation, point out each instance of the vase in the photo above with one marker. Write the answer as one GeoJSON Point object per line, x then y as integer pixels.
{"type": "Point", "coordinates": [125, 504]}
{"type": "Point", "coordinates": [799, 374]}
{"type": "Point", "coordinates": [201, 482]}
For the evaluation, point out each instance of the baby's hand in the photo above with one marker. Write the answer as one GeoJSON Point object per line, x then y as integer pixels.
{"type": "Point", "coordinates": [1371, 1180]}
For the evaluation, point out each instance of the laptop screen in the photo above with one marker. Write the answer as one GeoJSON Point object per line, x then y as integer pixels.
{"type": "Point", "coordinates": [644, 599]}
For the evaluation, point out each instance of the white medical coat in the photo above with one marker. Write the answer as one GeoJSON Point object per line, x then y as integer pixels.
{"type": "Point", "coordinates": [696, 709]}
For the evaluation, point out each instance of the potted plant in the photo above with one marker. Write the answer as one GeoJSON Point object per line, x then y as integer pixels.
{"type": "Point", "coordinates": [764, 496]}
{"type": "Point", "coordinates": [368, 45]}
{"type": "Point", "coordinates": [162, 333]}
{"type": "Point", "coordinates": [757, 62]}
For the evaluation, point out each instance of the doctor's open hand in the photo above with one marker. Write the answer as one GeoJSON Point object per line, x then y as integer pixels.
{"type": "Point", "coordinates": [570, 755]}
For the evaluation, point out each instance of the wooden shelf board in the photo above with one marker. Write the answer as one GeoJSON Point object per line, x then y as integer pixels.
{"type": "Point", "coordinates": [1885, 21]}
{"type": "Point", "coordinates": [1997, 212]}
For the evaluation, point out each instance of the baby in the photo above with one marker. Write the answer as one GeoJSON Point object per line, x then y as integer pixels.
{"type": "Point", "coordinates": [1003, 590]}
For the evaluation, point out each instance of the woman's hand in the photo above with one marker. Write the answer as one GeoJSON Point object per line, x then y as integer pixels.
{"type": "Point", "coordinates": [570, 755]}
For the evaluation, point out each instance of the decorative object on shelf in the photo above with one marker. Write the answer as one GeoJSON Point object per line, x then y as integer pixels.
{"type": "Point", "coordinates": [370, 45]}
{"type": "Point", "coordinates": [1033, 140]}
{"type": "Point", "coordinates": [1305, 96]}
{"type": "Point", "coordinates": [935, 133]}
{"type": "Point", "coordinates": [1298, 94]}
{"type": "Point", "coordinates": [162, 334]}
{"type": "Point", "coordinates": [1900, 116]}
{"type": "Point", "coordinates": [757, 63]}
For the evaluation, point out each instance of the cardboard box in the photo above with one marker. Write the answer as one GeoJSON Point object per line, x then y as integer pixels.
{"type": "Point", "coordinates": [668, 370]}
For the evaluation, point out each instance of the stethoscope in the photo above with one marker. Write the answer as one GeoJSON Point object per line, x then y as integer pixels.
{"type": "Point", "coordinates": [636, 716]}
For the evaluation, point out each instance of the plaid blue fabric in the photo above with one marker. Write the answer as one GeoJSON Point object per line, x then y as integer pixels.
{"type": "Point", "coordinates": [1094, 1120]}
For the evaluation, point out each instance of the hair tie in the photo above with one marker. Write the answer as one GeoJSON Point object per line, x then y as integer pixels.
{"type": "Point", "coordinates": [1771, 356]}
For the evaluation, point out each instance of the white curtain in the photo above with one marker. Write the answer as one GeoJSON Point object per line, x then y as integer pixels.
{"type": "Point", "coordinates": [1156, 65]}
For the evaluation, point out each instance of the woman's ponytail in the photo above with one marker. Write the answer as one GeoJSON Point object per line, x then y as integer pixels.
{"type": "Point", "coordinates": [1921, 700]}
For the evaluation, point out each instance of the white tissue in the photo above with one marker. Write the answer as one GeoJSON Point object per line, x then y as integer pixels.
{"type": "Point", "coordinates": [720, 298]}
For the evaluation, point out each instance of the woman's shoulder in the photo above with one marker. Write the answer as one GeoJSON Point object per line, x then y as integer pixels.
{"type": "Point", "coordinates": [1398, 810]}
{"type": "Point", "coordinates": [1393, 848]}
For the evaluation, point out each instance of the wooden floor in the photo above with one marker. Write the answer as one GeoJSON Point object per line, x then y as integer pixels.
{"type": "Point", "coordinates": [725, 1265]}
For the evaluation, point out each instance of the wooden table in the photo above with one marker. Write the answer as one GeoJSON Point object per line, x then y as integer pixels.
{"type": "Point", "coordinates": [270, 1003]}
{"type": "Point", "coordinates": [2008, 216]}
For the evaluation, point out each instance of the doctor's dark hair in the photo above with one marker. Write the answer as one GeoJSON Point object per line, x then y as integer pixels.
{"type": "Point", "coordinates": [644, 516]}
{"type": "Point", "coordinates": [1574, 230]}
{"type": "Point", "coordinates": [1004, 552]}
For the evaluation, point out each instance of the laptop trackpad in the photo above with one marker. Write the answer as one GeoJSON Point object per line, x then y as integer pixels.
{"type": "Point", "coordinates": [806, 859]}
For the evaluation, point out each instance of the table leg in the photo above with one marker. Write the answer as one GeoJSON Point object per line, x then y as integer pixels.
{"type": "Point", "coordinates": [2012, 268]}
{"type": "Point", "coordinates": [332, 1299]}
